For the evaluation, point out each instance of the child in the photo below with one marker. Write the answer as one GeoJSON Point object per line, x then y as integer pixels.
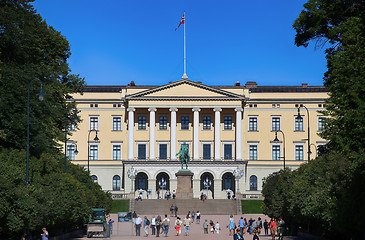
{"type": "Point", "coordinates": [217, 227]}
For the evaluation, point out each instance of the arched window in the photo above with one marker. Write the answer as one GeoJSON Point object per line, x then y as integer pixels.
{"type": "Point", "coordinates": [162, 181]}
{"type": "Point", "coordinates": [141, 181]}
{"type": "Point", "coordinates": [94, 178]}
{"type": "Point", "coordinates": [253, 183]}
{"type": "Point", "coordinates": [228, 181]}
{"type": "Point", "coordinates": [116, 183]}
{"type": "Point", "coordinates": [207, 183]}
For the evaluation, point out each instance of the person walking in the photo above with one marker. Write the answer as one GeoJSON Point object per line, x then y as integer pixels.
{"type": "Point", "coordinates": [166, 224]}
{"type": "Point", "coordinates": [158, 225]}
{"type": "Point", "coordinates": [266, 227]}
{"type": "Point", "coordinates": [153, 225]}
{"type": "Point", "coordinates": [146, 225]}
{"type": "Point", "coordinates": [187, 222]}
{"type": "Point", "coordinates": [138, 223]}
{"type": "Point", "coordinates": [192, 217]}
{"type": "Point", "coordinates": [217, 227]}
{"type": "Point", "coordinates": [110, 222]}
{"type": "Point", "coordinates": [273, 227]}
{"type": "Point", "coordinates": [172, 210]}
{"type": "Point", "coordinates": [281, 228]}
{"type": "Point", "coordinates": [158, 193]}
{"type": "Point", "coordinates": [197, 217]}
{"type": "Point", "coordinates": [178, 223]}
{"type": "Point", "coordinates": [212, 228]}
{"type": "Point", "coordinates": [175, 210]}
{"type": "Point", "coordinates": [134, 216]}
{"type": "Point", "coordinates": [231, 226]}
{"type": "Point", "coordinates": [241, 224]}
{"type": "Point", "coordinates": [205, 227]}
{"type": "Point", "coordinates": [237, 235]}
{"type": "Point", "coordinates": [45, 234]}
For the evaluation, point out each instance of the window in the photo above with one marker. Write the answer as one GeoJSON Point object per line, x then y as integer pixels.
{"type": "Point", "coordinates": [116, 152]}
{"type": "Point", "coordinates": [227, 120]}
{"type": "Point", "coordinates": [206, 151]}
{"type": "Point", "coordinates": [299, 152]}
{"type": "Point", "coordinates": [141, 151]}
{"type": "Point", "coordinates": [116, 183]}
{"type": "Point", "coordinates": [252, 124]}
{"type": "Point", "coordinates": [94, 152]}
{"type": "Point", "coordinates": [96, 105]}
{"type": "Point", "coordinates": [141, 181]}
{"type": "Point", "coordinates": [275, 123]}
{"type": "Point", "coordinates": [117, 123]}
{"type": "Point", "coordinates": [71, 151]}
{"type": "Point", "coordinates": [275, 152]}
{"type": "Point", "coordinates": [207, 121]}
{"type": "Point", "coordinates": [253, 183]}
{"type": "Point", "coordinates": [321, 122]}
{"type": "Point", "coordinates": [299, 124]}
{"type": "Point", "coordinates": [142, 120]}
{"type": "Point", "coordinates": [184, 122]}
{"type": "Point", "coordinates": [228, 181]}
{"type": "Point", "coordinates": [94, 178]}
{"type": "Point", "coordinates": [253, 152]}
{"type": "Point", "coordinates": [163, 151]}
{"type": "Point", "coordinates": [94, 123]}
{"type": "Point", "coordinates": [163, 122]}
{"type": "Point", "coordinates": [227, 151]}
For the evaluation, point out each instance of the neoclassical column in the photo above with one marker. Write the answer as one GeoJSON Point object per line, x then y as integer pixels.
{"type": "Point", "coordinates": [152, 111]}
{"type": "Point", "coordinates": [239, 111]}
{"type": "Point", "coordinates": [196, 134]}
{"type": "Point", "coordinates": [173, 133]}
{"type": "Point", "coordinates": [131, 133]}
{"type": "Point", "coordinates": [217, 133]}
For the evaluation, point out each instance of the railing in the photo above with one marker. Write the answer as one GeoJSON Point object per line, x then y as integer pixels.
{"type": "Point", "coordinates": [252, 196]}
{"type": "Point", "coordinates": [116, 196]}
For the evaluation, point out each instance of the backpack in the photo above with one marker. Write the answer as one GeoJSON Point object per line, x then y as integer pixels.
{"type": "Point", "coordinates": [148, 222]}
{"type": "Point", "coordinates": [166, 223]}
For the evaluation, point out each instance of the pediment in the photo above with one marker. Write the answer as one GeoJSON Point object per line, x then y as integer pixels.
{"type": "Point", "coordinates": [184, 89]}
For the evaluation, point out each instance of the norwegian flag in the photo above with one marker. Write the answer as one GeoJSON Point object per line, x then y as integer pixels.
{"type": "Point", "coordinates": [181, 22]}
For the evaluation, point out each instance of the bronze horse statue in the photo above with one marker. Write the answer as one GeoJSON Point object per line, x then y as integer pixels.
{"type": "Point", "coordinates": [184, 155]}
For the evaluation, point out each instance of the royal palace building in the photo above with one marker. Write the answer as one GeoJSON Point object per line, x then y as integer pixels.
{"type": "Point", "coordinates": [237, 135]}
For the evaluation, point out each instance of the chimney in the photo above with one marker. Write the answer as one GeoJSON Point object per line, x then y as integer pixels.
{"type": "Point", "coordinates": [251, 84]}
{"type": "Point", "coordinates": [304, 85]}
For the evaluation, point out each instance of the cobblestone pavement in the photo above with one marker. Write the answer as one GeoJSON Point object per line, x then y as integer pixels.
{"type": "Point", "coordinates": [127, 231]}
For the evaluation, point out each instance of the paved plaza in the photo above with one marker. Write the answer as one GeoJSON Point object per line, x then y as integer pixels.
{"type": "Point", "coordinates": [127, 231]}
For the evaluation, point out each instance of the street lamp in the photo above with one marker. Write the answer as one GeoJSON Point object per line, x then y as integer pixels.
{"type": "Point", "coordinates": [238, 174]}
{"type": "Point", "coordinates": [76, 118]}
{"type": "Point", "coordinates": [276, 140]}
{"type": "Point", "coordinates": [41, 95]}
{"type": "Point", "coordinates": [299, 117]}
{"type": "Point", "coordinates": [163, 185]}
{"type": "Point", "coordinates": [207, 183]}
{"type": "Point", "coordinates": [88, 147]}
{"type": "Point", "coordinates": [132, 173]}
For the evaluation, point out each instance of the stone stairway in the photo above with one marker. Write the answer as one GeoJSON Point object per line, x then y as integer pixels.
{"type": "Point", "coordinates": [208, 207]}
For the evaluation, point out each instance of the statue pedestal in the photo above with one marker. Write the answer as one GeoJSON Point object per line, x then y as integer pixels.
{"type": "Point", "coordinates": [184, 184]}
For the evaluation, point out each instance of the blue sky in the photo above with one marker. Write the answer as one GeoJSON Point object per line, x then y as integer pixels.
{"type": "Point", "coordinates": [114, 42]}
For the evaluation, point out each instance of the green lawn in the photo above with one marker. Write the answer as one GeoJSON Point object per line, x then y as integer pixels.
{"type": "Point", "coordinates": [252, 206]}
{"type": "Point", "coordinates": [120, 206]}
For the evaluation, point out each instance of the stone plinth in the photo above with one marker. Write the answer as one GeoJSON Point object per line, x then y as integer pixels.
{"type": "Point", "coordinates": [184, 184]}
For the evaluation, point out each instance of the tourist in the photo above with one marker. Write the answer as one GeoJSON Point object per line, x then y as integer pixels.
{"type": "Point", "coordinates": [202, 196]}
{"type": "Point", "coordinates": [197, 217]}
{"type": "Point", "coordinates": [237, 235]}
{"type": "Point", "coordinates": [254, 226]}
{"type": "Point", "coordinates": [138, 223]}
{"type": "Point", "coordinates": [212, 229]}
{"type": "Point", "coordinates": [205, 227]}
{"type": "Point", "coordinates": [44, 234]}
{"type": "Point", "coordinates": [110, 222]}
{"type": "Point", "coordinates": [158, 193]}
{"type": "Point", "coordinates": [158, 225]}
{"type": "Point", "coordinates": [146, 225]}
{"type": "Point", "coordinates": [173, 194]}
{"type": "Point", "coordinates": [231, 226]}
{"type": "Point", "coordinates": [266, 227]}
{"type": "Point", "coordinates": [255, 237]}
{"type": "Point", "coordinates": [178, 223]}
{"type": "Point", "coordinates": [246, 226]}
{"type": "Point", "coordinates": [259, 225]}
{"type": "Point", "coordinates": [134, 216]}
{"type": "Point", "coordinates": [281, 228]}
{"type": "Point", "coordinates": [273, 228]}
{"type": "Point", "coordinates": [153, 225]}
{"type": "Point", "coordinates": [241, 224]}
{"type": "Point", "coordinates": [166, 224]}
{"type": "Point", "coordinates": [175, 210]}
{"type": "Point", "coordinates": [187, 222]}
{"type": "Point", "coordinates": [217, 227]}
{"type": "Point", "coordinates": [172, 210]}
{"type": "Point", "coordinates": [193, 216]}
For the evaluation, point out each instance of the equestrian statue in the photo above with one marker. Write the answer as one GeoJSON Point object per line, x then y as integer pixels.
{"type": "Point", "coordinates": [184, 155]}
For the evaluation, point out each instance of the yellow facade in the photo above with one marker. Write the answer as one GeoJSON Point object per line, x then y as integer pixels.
{"type": "Point", "coordinates": [225, 127]}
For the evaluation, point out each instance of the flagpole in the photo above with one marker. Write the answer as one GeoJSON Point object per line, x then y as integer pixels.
{"type": "Point", "coordinates": [184, 76]}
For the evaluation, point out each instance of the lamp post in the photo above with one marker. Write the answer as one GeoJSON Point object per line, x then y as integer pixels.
{"type": "Point", "coordinates": [299, 117]}
{"type": "Point", "coordinates": [276, 140]}
{"type": "Point", "coordinates": [132, 173]}
{"type": "Point", "coordinates": [163, 185]}
{"type": "Point", "coordinates": [41, 95]}
{"type": "Point", "coordinates": [88, 147]}
{"type": "Point", "coordinates": [76, 118]}
{"type": "Point", "coordinates": [238, 174]}
{"type": "Point", "coordinates": [207, 183]}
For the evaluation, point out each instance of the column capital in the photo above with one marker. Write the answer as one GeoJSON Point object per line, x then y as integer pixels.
{"type": "Point", "coordinates": [196, 109]}
{"type": "Point", "coordinates": [173, 109]}
{"type": "Point", "coordinates": [217, 109]}
{"type": "Point", "coordinates": [238, 109]}
{"type": "Point", "coordinates": [152, 109]}
{"type": "Point", "coordinates": [131, 109]}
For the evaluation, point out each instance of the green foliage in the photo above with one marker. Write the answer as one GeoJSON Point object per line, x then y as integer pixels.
{"type": "Point", "coordinates": [251, 206]}
{"type": "Point", "coordinates": [120, 206]}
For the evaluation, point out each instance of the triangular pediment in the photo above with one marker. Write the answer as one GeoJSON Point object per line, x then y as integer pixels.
{"type": "Point", "coordinates": [184, 89]}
